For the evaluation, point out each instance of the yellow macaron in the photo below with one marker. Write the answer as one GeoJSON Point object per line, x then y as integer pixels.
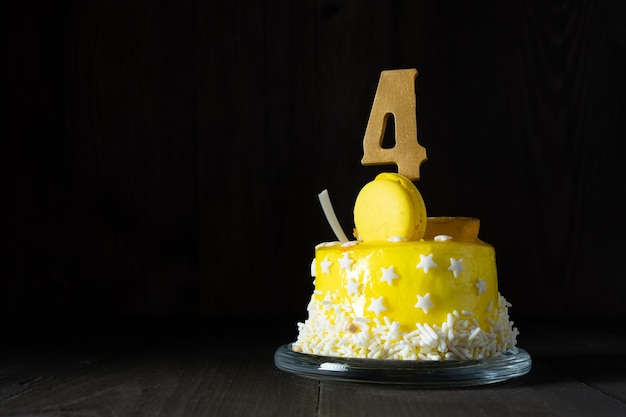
{"type": "Point", "coordinates": [389, 207]}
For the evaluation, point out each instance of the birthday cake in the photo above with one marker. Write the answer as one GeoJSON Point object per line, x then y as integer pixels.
{"type": "Point", "coordinates": [408, 286]}
{"type": "Point", "coordinates": [418, 288]}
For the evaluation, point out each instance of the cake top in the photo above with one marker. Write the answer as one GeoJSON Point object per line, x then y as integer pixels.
{"type": "Point", "coordinates": [390, 208]}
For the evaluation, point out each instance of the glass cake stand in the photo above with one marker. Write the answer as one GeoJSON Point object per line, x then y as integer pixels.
{"type": "Point", "coordinates": [426, 374]}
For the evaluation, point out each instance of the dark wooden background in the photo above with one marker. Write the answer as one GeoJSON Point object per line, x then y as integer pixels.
{"type": "Point", "coordinates": [165, 157]}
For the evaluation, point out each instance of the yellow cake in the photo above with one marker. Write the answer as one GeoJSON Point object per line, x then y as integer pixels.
{"type": "Point", "coordinates": [413, 288]}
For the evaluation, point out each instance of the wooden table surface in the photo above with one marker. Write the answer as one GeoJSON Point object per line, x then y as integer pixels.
{"type": "Point", "coordinates": [224, 367]}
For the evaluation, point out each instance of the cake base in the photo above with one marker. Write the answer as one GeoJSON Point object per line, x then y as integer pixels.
{"type": "Point", "coordinates": [424, 374]}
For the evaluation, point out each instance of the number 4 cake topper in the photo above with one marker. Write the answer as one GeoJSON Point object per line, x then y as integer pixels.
{"type": "Point", "coordinates": [395, 96]}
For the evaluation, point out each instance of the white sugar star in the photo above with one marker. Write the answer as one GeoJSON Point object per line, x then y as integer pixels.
{"type": "Point", "coordinates": [388, 275]}
{"type": "Point", "coordinates": [424, 302]}
{"type": "Point", "coordinates": [352, 287]}
{"type": "Point", "coordinates": [456, 266]}
{"type": "Point", "coordinates": [353, 274]}
{"type": "Point", "coordinates": [325, 264]}
{"type": "Point", "coordinates": [481, 286]}
{"type": "Point", "coordinates": [345, 262]}
{"type": "Point", "coordinates": [376, 305]}
{"type": "Point", "coordinates": [426, 262]}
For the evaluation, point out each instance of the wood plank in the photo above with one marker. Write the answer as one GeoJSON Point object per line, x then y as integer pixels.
{"type": "Point", "coordinates": [21, 371]}
{"type": "Point", "coordinates": [173, 381]}
{"type": "Point", "coordinates": [606, 374]}
{"type": "Point", "coordinates": [590, 351]}
{"type": "Point", "coordinates": [543, 392]}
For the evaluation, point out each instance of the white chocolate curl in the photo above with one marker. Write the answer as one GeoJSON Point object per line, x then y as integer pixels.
{"type": "Point", "coordinates": [329, 212]}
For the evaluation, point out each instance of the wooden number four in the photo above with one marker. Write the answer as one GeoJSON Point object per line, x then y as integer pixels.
{"type": "Point", "coordinates": [395, 96]}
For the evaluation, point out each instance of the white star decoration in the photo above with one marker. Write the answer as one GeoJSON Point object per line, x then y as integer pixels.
{"type": "Point", "coordinates": [388, 275]}
{"type": "Point", "coordinates": [352, 287]}
{"type": "Point", "coordinates": [376, 305]}
{"type": "Point", "coordinates": [345, 262]}
{"type": "Point", "coordinates": [481, 286]}
{"type": "Point", "coordinates": [456, 266]}
{"type": "Point", "coordinates": [354, 274]}
{"type": "Point", "coordinates": [325, 264]}
{"type": "Point", "coordinates": [426, 262]}
{"type": "Point", "coordinates": [424, 302]}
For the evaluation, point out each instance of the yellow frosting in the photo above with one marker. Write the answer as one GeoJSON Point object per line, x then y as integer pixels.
{"type": "Point", "coordinates": [448, 276]}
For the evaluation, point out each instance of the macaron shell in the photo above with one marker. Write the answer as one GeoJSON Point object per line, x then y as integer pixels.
{"type": "Point", "coordinates": [389, 206]}
{"type": "Point", "coordinates": [419, 208]}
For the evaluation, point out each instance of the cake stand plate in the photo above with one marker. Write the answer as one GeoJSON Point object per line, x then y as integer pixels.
{"type": "Point", "coordinates": [425, 374]}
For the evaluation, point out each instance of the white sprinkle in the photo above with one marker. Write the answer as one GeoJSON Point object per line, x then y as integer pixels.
{"type": "Point", "coordinates": [456, 352]}
{"type": "Point", "coordinates": [467, 313]}
{"type": "Point", "coordinates": [412, 334]}
{"type": "Point", "coordinates": [451, 334]}
{"type": "Point", "coordinates": [450, 321]}
{"type": "Point", "coordinates": [425, 336]}
{"type": "Point", "coordinates": [395, 239]}
{"type": "Point", "coordinates": [431, 331]}
{"type": "Point", "coordinates": [442, 345]}
{"type": "Point", "coordinates": [442, 238]}
{"type": "Point", "coordinates": [475, 333]}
